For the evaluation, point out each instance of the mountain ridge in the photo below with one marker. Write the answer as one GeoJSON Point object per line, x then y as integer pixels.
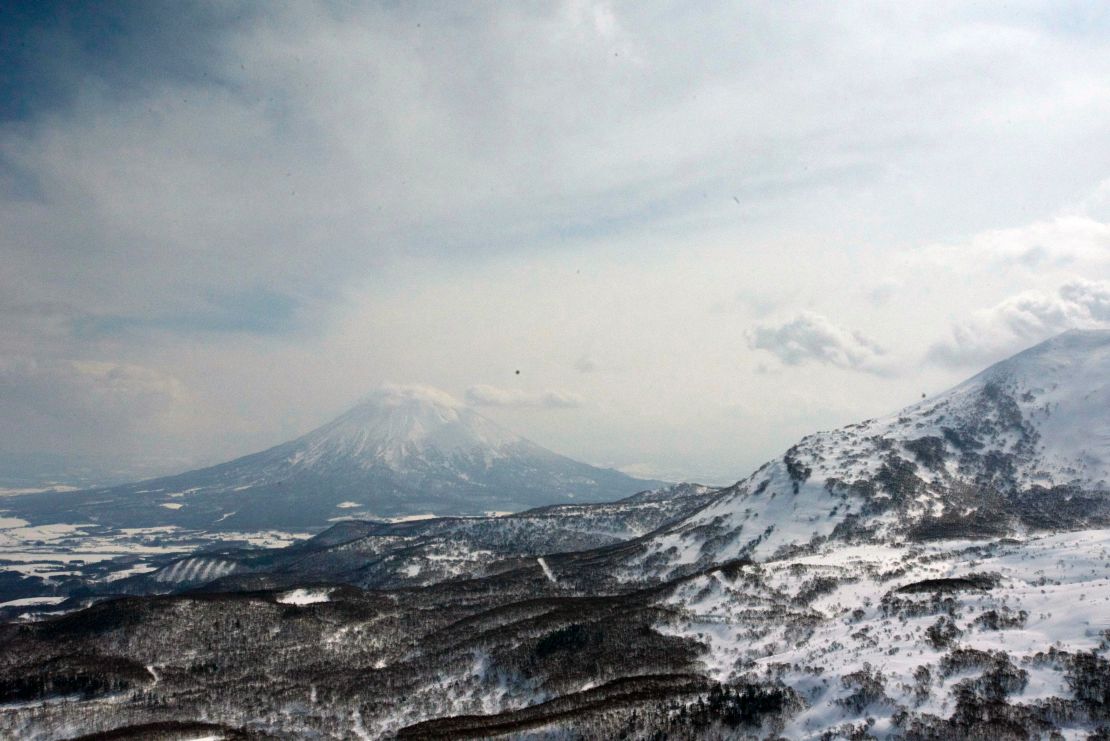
{"type": "Point", "coordinates": [995, 454]}
{"type": "Point", "coordinates": [403, 450]}
{"type": "Point", "coordinates": [938, 573]}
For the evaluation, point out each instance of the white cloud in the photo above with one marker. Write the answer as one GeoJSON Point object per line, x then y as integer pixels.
{"type": "Point", "coordinates": [1063, 241]}
{"type": "Point", "coordinates": [393, 394]}
{"type": "Point", "coordinates": [492, 396]}
{"type": "Point", "coordinates": [585, 364]}
{"type": "Point", "coordinates": [811, 337]}
{"type": "Point", "coordinates": [1022, 320]}
{"type": "Point", "coordinates": [88, 407]}
{"type": "Point", "coordinates": [449, 195]}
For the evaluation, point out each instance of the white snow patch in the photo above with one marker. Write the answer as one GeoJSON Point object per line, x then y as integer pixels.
{"type": "Point", "coordinates": [547, 571]}
{"type": "Point", "coordinates": [413, 518]}
{"type": "Point", "coordinates": [301, 597]}
{"type": "Point", "coordinates": [28, 601]}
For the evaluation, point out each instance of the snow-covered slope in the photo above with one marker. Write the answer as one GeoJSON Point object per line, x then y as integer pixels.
{"type": "Point", "coordinates": [1023, 445]}
{"type": "Point", "coordinates": [378, 555]}
{"type": "Point", "coordinates": [405, 428]}
{"type": "Point", "coordinates": [405, 450]}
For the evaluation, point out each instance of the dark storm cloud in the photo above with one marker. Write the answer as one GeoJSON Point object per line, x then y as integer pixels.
{"type": "Point", "coordinates": [52, 50]}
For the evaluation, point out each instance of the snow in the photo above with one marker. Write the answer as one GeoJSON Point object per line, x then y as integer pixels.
{"type": "Point", "coordinates": [412, 518]}
{"type": "Point", "coordinates": [398, 423]}
{"type": "Point", "coordinates": [1061, 581]}
{"type": "Point", "coordinates": [547, 570]}
{"type": "Point", "coordinates": [15, 491]}
{"type": "Point", "coordinates": [13, 536]}
{"type": "Point", "coordinates": [57, 551]}
{"type": "Point", "coordinates": [263, 538]}
{"type": "Point", "coordinates": [302, 597]}
{"type": "Point", "coordinates": [195, 570]}
{"type": "Point", "coordinates": [139, 568]}
{"type": "Point", "coordinates": [29, 601]}
{"type": "Point", "coordinates": [1061, 389]}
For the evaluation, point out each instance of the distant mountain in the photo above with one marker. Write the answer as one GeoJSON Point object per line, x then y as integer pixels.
{"type": "Point", "coordinates": [30, 472]}
{"type": "Point", "coordinates": [387, 555]}
{"type": "Point", "coordinates": [938, 574]}
{"type": "Point", "coordinates": [403, 451]}
{"type": "Point", "coordinates": [1024, 445]}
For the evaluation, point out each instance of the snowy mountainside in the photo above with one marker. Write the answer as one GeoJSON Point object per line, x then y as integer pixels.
{"type": "Point", "coordinates": [405, 450]}
{"type": "Point", "coordinates": [959, 639]}
{"type": "Point", "coordinates": [939, 574]}
{"type": "Point", "coordinates": [1023, 445]}
{"type": "Point", "coordinates": [421, 552]}
{"type": "Point", "coordinates": [946, 640]}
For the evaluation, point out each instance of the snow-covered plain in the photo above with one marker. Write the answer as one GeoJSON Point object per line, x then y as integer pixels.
{"type": "Point", "coordinates": [82, 553]}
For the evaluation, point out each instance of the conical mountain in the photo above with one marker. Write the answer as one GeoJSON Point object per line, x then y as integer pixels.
{"type": "Point", "coordinates": [404, 450]}
{"type": "Point", "coordinates": [1024, 445]}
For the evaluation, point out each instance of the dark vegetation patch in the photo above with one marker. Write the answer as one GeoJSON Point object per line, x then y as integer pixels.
{"type": "Point", "coordinates": [943, 633]}
{"type": "Point", "coordinates": [84, 675]}
{"type": "Point", "coordinates": [982, 709]}
{"type": "Point", "coordinates": [937, 603]}
{"type": "Point", "coordinates": [799, 472]}
{"type": "Point", "coordinates": [1002, 619]}
{"type": "Point", "coordinates": [173, 731]}
{"type": "Point", "coordinates": [977, 582]}
{"type": "Point", "coordinates": [928, 451]}
{"type": "Point", "coordinates": [1088, 677]}
{"type": "Point", "coordinates": [970, 514]}
{"type": "Point", "coordinates": [655, 707]}
{"type": "Point", "coordinates": [578, 706]}
{"type": "Point", "coordinates": [866, 687]}
{"type": "Point", "coordinates": [817, 586]}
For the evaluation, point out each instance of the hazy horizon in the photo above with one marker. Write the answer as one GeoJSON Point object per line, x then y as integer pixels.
{"type": "Point", "coordinates": [670, 240]}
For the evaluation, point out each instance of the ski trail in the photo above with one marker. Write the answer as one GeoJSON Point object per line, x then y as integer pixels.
{"type": "Point", "coordinates": [547, 570]}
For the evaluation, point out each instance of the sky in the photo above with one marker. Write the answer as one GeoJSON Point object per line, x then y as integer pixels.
{"type": "Point", "coordinates": [699, 231]}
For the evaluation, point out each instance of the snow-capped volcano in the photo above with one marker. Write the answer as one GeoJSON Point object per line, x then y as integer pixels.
{"type": "Point", "coordinates": [1023, 445]}
{"type": "Point", "coordinates": [397, 424]}
{"type": "Point", "coordinates": [404, 450]}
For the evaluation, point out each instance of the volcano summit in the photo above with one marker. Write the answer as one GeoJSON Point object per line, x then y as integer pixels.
{"type": "Point", "coordinates": [404, 450]}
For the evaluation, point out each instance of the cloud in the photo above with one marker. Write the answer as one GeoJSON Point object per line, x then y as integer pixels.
{"type": "Point", "coordinates": [492, 396]}
{"type": "Point", "coordinates": [286, 204]}
{"type": "Point", "coordinates": [392, 395]}
{"type": "Point", "coordinates": [882, 292]}
{"type": "Point", "coordinates": [1022, 320]}
{"type": "Point", "coordinates": [810, 337]}
{"type": "Point", "coordinates": [585, 364]}
{"type": "Point", "coordinates": [88, 406]}
{"type": "Point", "coordinates": [1063, 241]}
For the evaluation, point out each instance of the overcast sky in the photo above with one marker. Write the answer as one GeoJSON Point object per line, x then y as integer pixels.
{"type": "Point", "coordinates": [698, 231]}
